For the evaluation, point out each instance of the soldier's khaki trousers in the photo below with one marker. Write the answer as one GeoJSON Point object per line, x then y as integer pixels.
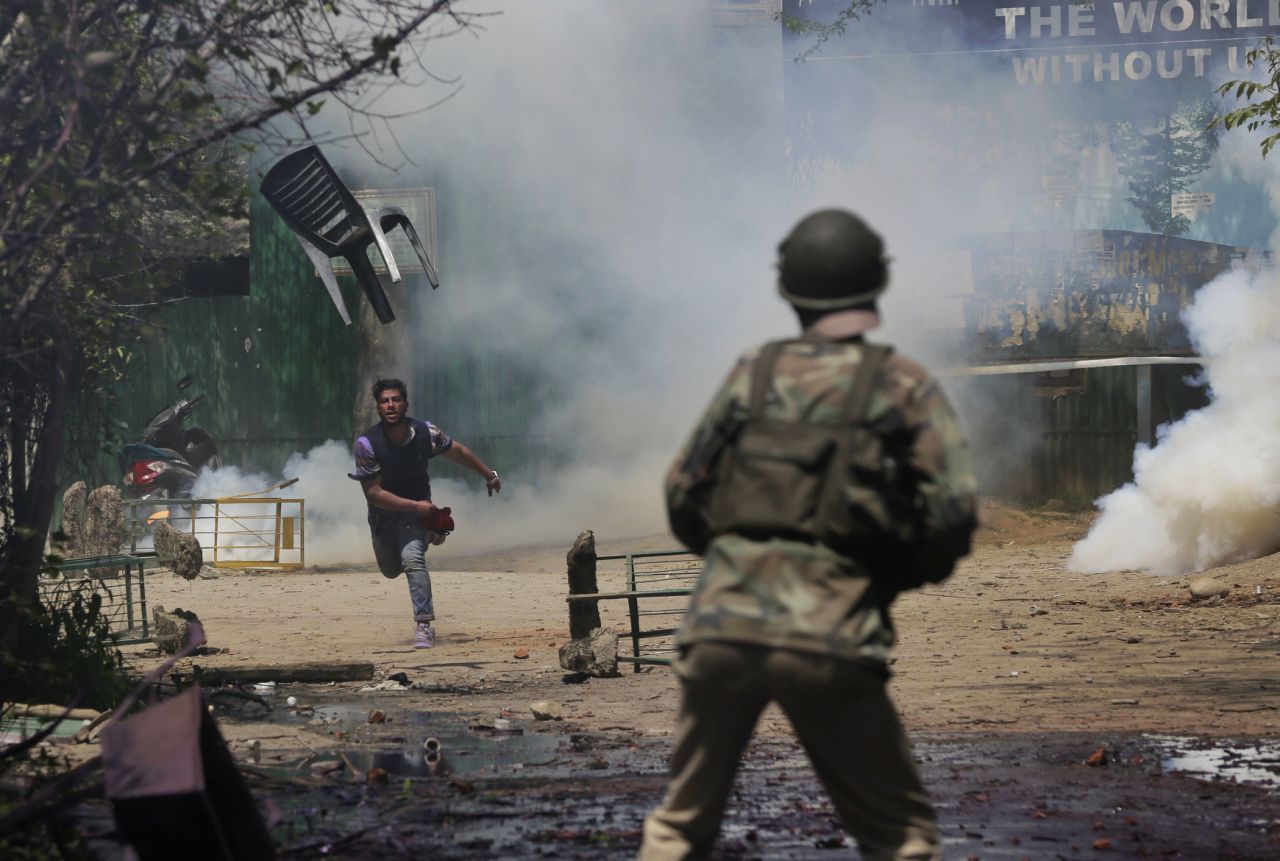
{"type": "Point", "coordinates": [843, 718]}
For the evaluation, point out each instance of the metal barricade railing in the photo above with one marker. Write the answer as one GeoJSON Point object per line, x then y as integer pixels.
{"type": "Point", "coordinates": [663, 581]}
{"type": "Point", "coordinates": [119, 580]}
{"type": "Point", "coordinates": [234, 531]}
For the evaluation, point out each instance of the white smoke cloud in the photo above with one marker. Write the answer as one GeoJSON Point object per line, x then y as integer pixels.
{"type": "Point", "coordinates": [586, 495]}
{"type": "Point", "coordinates": [610, 188]}
{"type": "Point", "coordinates": [611, 184]}
{"type": "Point", "coordinates": [615, 500]}
{"type": "Point", "coordinates": [1209, 492]}
{"type": "Point", "coordinates": [335, 526]}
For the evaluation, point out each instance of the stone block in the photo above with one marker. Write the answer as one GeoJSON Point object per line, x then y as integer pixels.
{"type": "Point", "coordinates": [596, 654]}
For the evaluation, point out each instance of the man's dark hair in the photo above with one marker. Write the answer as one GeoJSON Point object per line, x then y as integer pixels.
{"type": "Point", "coordinates": [382, 385]}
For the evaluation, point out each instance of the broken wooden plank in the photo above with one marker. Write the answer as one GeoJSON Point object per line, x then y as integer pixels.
{"type": "Point", "coordinates": [50, 712]}
{"type": "Point", "coordinates": [315, 671]}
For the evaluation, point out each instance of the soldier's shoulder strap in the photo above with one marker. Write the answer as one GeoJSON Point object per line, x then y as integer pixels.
{"type": "Point", "coordinates": [762, 375]}
{"type": "Point", "coordinates": [864, 382]}
{"type": "Point", "coordinates": [873, 357]}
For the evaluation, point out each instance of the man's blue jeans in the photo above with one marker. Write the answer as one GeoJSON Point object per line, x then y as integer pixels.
{"type": "Point", "coordinates": [400, 544]}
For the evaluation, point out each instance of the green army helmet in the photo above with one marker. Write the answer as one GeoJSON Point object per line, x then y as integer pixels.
{"type": "Point", "coordinates": [831, 260]}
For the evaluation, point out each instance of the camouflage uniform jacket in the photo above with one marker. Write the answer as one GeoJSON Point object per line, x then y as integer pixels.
{"type": "Point", "coordinates": [806, 596]}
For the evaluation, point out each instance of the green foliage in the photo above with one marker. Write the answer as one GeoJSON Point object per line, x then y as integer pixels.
{"type": "Point", "coordinates": [42, 841]}
{"type": "Point", "coordinates": [126, 124]}
{"type": "Point", "coordinates": [821, 32]}
{"type": "Point", "coordinates": [1163, 159]}
{"type": "Point", "coordinates": [62, 651]}
{"type": "Point", "coordinates": [1262, 98]}
{"type": "Point", "coordinates": [54, 655]}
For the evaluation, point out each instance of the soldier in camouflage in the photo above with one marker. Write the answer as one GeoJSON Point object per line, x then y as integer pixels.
{"type": "Point", "coordinates": [799, 622]}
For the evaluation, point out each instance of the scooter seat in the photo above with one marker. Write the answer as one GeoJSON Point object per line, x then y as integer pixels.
{"type": "Point", "coordinates": [136, 451]}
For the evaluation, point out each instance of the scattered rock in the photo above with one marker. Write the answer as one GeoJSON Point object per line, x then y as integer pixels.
{"type": "Point", "coordinates": [74, 517]}
{"type": "Point", "coordinates": [1124, 702]}
{"type": "Point", "coordinates": [93, 523]}
{"type": "Point", "coordinates": [522, 653]}
{"type": "Point", "coordinates": [596, 655]}
{"type": "Point", "coordinates": [1098, 757]}
{"type": "Point", "coordinates": [104, 527]}
{"type": "Point", "coordinates": [180, 550]}
{"type": "Point", "coordinates": [401, 679]}
{"type": "Point", "coordinates": [377, 716]}
{"type": "Point", "coordinates": [546, 710]}
{"type": "Point", "coordinates": [1038, 611]}
{"type": "Point", "coordinates": [170, 629]}
{"type": "Point", "coordinates": [1203, 588]}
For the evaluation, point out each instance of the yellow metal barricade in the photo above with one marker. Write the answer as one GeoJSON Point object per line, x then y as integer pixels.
{"type": "Point", "coordinates": [247, 530]}
{"type": "Point", "coordinates": [259, 532]}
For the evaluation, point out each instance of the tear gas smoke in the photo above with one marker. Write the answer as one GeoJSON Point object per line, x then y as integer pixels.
{"type": "Point", "coordinates": [608, 181]}
{"type": "Point", "coordinates": [335, 529]}
{"type": "Point", "coordinates": [612, 180]}
{"type": "Point", "coordinates": [1209, 492]}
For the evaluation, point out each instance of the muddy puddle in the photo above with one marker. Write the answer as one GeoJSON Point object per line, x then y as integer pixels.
{"type": "Point", "coordinates": [440, 785]}
{"type": "Point", "coordinates": [433, 757]}
{"type": "Point", "coordinates": [579, 795]}
{"type": "Point", "coordinates": [1250, 762]}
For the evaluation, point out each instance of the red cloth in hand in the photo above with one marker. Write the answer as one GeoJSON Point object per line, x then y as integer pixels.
{"type": "Point", "coordinates": [440, 521]}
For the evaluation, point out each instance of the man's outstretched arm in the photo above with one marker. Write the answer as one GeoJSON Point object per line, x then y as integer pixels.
{"type": "Point", "coordinates": [463, 456]}
{"type": "Point", "coordinates": [379, 497]}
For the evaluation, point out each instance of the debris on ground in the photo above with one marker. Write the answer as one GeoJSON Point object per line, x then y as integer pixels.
{"type": "Point", "coordinates": [1204, 588]}
{"type": "Point", "coordinates": [180, 550]}
{"type": "Point", "coordinates": [309, 672]}
{"type": "Point", "coordinates": [544, 710]}
{"type": "Point", "coordinates": [596, 655]}
{"type": "Point", "coordinates": [171, 628]}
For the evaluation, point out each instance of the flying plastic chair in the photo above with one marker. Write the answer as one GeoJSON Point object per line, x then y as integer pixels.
{"type": "Point", "coordinates": [330, 222]}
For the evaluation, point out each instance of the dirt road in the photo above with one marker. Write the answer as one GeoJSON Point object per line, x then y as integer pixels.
{"type": "Point", "coordinates": [1013, 652]}
{"type": "Point", "coordinates": [1012, 640]}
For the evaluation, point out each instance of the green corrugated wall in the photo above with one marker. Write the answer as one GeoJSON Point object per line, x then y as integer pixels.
{"type": "Point", "coordinates": [1073, 448]}
{"type": "Point", "coordinates": [276, 365]}
{"type": "Point", "coordinates": [279, 368]}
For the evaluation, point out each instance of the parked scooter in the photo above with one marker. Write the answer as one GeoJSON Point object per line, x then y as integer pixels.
{"type": "Point", "coordinates": [165, 464]}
